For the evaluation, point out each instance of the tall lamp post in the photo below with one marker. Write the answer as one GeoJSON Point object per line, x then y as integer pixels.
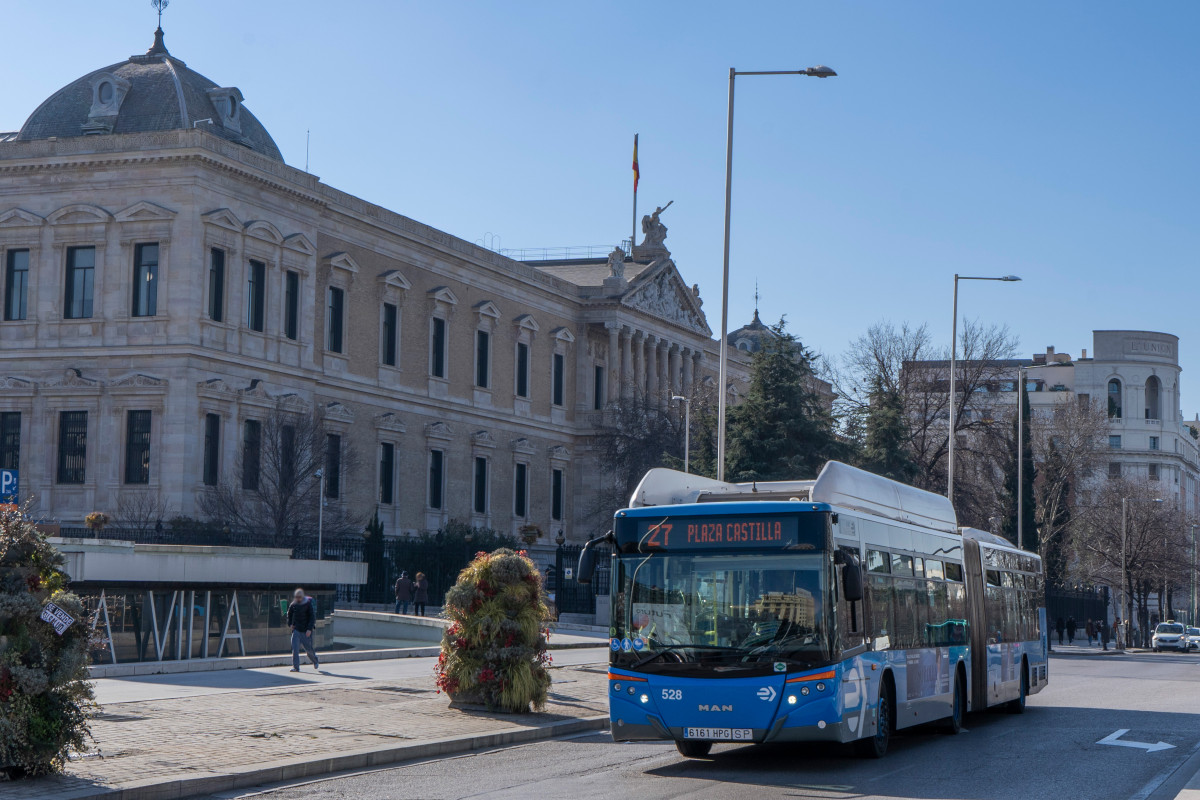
{"type": "Point", "coordinates": [687, 430]}
{"type": "Point", "coordinates": [953, 371]}
{"type": "Point", "coordinates": [818, 71]}
{"type": "Point", "coordinates": [1127, 599]}
{"type": "Point", "coordinates": [1193, 593]}
{"type": "Point", "coordinates": [320, 509]}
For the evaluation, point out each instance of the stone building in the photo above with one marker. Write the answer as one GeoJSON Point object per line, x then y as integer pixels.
{"type": "Point", "coordinates": [169, 282]}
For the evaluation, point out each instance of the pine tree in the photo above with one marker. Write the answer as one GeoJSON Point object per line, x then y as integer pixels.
{"type": "Point", "coordinates": [885, 444]}
{"type": "Point", "coordinates": [1029, 526]}
{"type": "Point", "coordinates": [780, 431]}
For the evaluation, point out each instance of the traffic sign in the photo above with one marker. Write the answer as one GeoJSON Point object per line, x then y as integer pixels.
{"type": "Point", "coordinates": [10, 486]}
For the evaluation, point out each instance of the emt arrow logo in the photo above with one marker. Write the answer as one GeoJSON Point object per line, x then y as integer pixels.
{"type": "Point", "coordinates": [768, 693]}
{"type": "Point", "coordinates": [1115, 739]}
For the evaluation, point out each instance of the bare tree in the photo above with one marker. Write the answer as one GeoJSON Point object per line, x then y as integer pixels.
{"type": "Point", "coordinates": [140, 511]}
{"type": "Point", "coordinates": [276, 488]}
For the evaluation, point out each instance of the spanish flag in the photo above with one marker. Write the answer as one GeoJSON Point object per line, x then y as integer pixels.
{"type": "Point", "coordinates": [637, 173]}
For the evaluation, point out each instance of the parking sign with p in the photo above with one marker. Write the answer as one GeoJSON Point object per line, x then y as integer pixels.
{"type": "Point", "coordinates": [10, 486]}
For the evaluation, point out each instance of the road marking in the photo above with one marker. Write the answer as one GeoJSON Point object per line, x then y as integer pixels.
{"type": "Point", "coordinates": [1115, 739]}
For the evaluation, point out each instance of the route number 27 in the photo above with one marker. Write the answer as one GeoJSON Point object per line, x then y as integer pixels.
{"type": "Point", "coordinates": [658, 535]}
{"type": "Point", "coordinates": [672, 694]}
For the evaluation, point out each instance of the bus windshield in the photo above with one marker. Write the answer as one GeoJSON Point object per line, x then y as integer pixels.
{"type": "Point", "coordinates": [699, 613]}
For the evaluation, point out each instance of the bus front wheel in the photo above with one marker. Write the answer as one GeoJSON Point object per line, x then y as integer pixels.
{"type": "Point", "coordinates": [877, 746]}
{"type": "Point", "coordinates": [954, 723]}
{"type": "Point", "coordinates": [690, 749]}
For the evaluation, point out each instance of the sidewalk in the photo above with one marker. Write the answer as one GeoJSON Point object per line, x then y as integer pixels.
{"type": "Point", "coordinates": [1083, 649]}
{"type": "Point", "coordinates": [179, 747]}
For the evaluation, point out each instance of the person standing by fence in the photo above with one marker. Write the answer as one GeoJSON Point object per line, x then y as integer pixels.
{"type": "Point", "coordinates": [420, 594]}
{"type": "Point", "coordinates": [302, 619]}
{"type": "Point", "coordinates": [404, 592]}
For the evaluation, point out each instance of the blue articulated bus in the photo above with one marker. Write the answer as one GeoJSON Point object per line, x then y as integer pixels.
{"type": "Point", "coordinates": [841, 609]}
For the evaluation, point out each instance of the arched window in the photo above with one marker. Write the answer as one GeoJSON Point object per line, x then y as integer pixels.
{"type": "Point", "coordinates": [1153, 398]}
{"type": "Point", "coordinates": [1114, 398]}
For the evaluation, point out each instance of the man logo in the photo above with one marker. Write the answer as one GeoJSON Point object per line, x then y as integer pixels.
{"type": "Point", "coordinates": [714, 707]}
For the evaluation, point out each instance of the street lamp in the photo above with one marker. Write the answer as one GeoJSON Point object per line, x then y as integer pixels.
{"type": "Point", "coordinates": [1020, 456]}
{"type": "Point", "coordinates": [1193, 594]}
{"type": "Point", "coordinates": [953, 349]}
{"type": "Point", "coordinates": [819, 71]}
{"type": "Point", "coordinates": [320, 509]}
{"type": "Point", "coordinates": [1125, 567]}
{"type": "Point", "coordinates": [687, 429]}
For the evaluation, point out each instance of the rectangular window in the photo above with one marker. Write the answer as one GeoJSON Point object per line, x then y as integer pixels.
{"type": "Point", "coordinates": [954, 572]}
{"type": "Point", "coordinates": [137, 447]}
{"type": "Point", "coordinates": [145, 280]}
{"type": "Point", "coordinates": [437, 348]}
{"type": "Point", "coordinates": [287, 459]}
{"type": "Point", "coordinates": [556, 379]}
{"type": "Point", "coordinates": [483, 344]}
{"type": "Point", "coordinates": [598, 388]}
{"type": "Point", "coordinates": [389, 334]}
{"type": "Point", "coordinates": [216, 285]}
{"type": "Point", "coordinates": [878, 561]}
{"type": "Point", "coordinates": [387, 472]}
{"type": "Point", "coordinates": [436, 478]}
{"type": "Point", "coordinates": [1114, 442]}
{"type": "Point", "coordinates": [1085, 401]}
{"type": "Point", "coordinates": [521, 491]}
{"type": "Point", "coordinates": [556, 494]}
{"type": "Point", "coordinates": [251, 454]}
{"type": "Point", "coordinates": [481, 486]}
{"type": "Point", "coordinates": [212, 449]}
{"type": "Point", "coordinates": [291, 305]}
{"type": "Point", "coordinates": [333, 319]}
{"type": "Point", "coordinates": [81, 275]}
{"type": "Point", "coordinates": [256, 296]}
{"type": "Point", "coordinates": [10, 440]}
{"type": "Point", "coordinates": [1153, 472]}
{"type": "Point", "coordinates": [522, 370]}
{"type": "Point", "coordinates": [1153, 442]}
{"type": "Point", "coordinates": [16, 284]}
{"type": "Point", "coordinates": [333, 465]}
{"type": "Point", "coordinates": [72, 446]}
{"type": "Point", "coordinates": [902, 565]}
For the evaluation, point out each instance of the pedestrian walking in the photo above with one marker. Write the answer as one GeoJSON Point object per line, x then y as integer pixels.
{"type": "Point", "coordinates": [1090, 630]}
{"type": "Point", "coordinates": [420, 594]}
{"type": "Point", "coordinates": [1102, 633]}
{"type": "Point", "coordinates": [404, 592]}
{"type": "Point", "coordinates": [302, 619]}
{"type": "Point", "coordinates": [1071, 628]}
{"type": "Point", "coordinates": [1060, 626]}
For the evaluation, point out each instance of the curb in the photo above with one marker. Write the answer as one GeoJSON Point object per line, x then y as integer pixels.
{"type": "Point", "coordinates": [283, 771]}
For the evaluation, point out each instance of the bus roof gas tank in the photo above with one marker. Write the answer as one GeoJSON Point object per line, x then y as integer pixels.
{"type": "Point", "coordinates": [838, 485]}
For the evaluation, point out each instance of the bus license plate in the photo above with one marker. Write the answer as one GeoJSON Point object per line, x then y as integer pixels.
{"type": "Point", "coordinates": [720, 734]}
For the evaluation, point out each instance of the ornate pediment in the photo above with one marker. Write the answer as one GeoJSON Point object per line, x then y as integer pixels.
{"type": "Point", "coordinates": [138, 380]}
{"type": "Point", "coordinates": [438, 430]}
{"type": "Point", "coordinates": [215, 386]}
{"type": "Point", "coordinates": [144, 212]}
{"type": "Point", "coordinates": [11, 384]}
{"type": "Point", "coordinates": [20, 218]}
{"type": "Point", "coordinates": [292, 402]}
{"type": "Point", "coordinates": [78, 214]}
{"type": "Point", "coordinates": [339, 412]}
{"type": "Point", "coordinates": [261, 229]}
{"type": "Point", "coordinates": [223, 218]}
{"type": "Point", "coordinates": [389, 421]}
{"type": "Point", "coordinates": [486, 308]}
{"type": "Point", "coordinates": [442, 295]}
{"type": "Point", "coordinates": [342, 261]}
{"type": "Point", "coordinates": [563, 335]}
{"type": "Point", "coordinates": [523, 446]}
{"type": "Point", "coordinates": [526, 322]}
{"type": "Point", "coordinates": [73, 379]}
{"type": "Point", "coordinates": [664, 295]}
{"type": "Point", "coordinates": [483, 439]}
{"type": "Point", "coordinates": [300, 244]}
{"type": "Point", "coordinates": [256, 389]}
{"type": "Point", "coordinates": [558, 453]}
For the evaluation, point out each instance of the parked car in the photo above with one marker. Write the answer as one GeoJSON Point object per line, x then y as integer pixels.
{"type": "Point", "coordinates": [1193, 638]}
{"type": "Point", "coordinates": [1169, 635]}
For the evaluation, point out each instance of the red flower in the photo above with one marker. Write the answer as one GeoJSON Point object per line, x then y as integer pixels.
{"type": "Point", "coordinates": [34, 582]}
{"type": "Point", "coordinates": [7, 686]}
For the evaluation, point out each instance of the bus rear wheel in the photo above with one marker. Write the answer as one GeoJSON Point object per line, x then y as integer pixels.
{"type": "Point", "coordinates": [690, 749]}
{"type": "Point", "coordinates": [1018, 706]}
{"type": "Point", "coordinates": [954, 723]}
{"type": "Point", "coordinates": [877, 746]}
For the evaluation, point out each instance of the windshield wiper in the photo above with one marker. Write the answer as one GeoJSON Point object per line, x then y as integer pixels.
{"type": "Point", "coordinates": [669, 648]}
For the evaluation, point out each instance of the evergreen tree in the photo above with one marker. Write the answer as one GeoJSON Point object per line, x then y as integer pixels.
{"type": "Point", "coordinates": [1010, 484]}
{"type": "Point", "coordinates": [1053, 550]}
{"type": "Point", "coordinates": [780, 431]}
{"type": "Point", "coordinates": [376, 589]}
{"type": "Point", "coordinates": [885, 442]}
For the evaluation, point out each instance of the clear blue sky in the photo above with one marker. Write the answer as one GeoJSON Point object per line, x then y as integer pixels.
{"type": "Point", "coordinates": [1052, 140]}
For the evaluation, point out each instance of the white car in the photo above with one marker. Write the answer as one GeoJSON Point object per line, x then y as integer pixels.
{"type": "Point", "coordinates": [1193, 638]}
{"type": "Point", "coordinates": [1169, 635]}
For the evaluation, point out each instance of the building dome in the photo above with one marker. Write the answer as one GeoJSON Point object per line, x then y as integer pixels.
{"type": "Point", "coordinates": [152, 92]}
{"type": "Point", "coordinates": [749, 338]}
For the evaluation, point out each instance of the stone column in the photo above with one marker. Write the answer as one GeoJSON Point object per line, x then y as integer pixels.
{"type": "Point", "coordinates": [676, 363]}
{"type": "Point", "coordinates": [627, 379]}
{"type": "Point", "coordinates": [613, 377]}
{"type": "Point", "coordinates": [639, 368]}
{"type": "Point", "coordinates": [651, 366]}
{"type": "Point", "coordinates": [664, 371]}
{"type": "Point", "coordinates": [689, 356]}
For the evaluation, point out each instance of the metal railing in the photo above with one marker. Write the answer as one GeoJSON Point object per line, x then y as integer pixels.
{"type": "Point", "coordinates": [563, 253]}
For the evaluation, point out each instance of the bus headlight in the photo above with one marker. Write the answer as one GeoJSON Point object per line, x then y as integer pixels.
{"type": "Point", "coordinates": [645, 698]}
{"type": "Point", "coordinates": [820, 687]}
{"type": "Point", "coordinates": [804, 690]}
{"type": "Point", "coordinates": [631, 690]}
{"type": "Point", "coordinates": [791, 699]}
{"type": "Point", "coordinates": [616, 687]}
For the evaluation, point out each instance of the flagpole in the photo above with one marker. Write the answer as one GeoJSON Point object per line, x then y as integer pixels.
{"type": "Point", "coordinates": [633, 227]}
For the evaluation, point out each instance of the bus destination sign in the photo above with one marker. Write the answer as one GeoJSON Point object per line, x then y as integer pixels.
{"type": "Point", "coordinates": [719, 533]}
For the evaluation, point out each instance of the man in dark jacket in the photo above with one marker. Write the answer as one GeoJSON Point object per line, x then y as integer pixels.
{"type": "Point", "coordinates": [302, 619]}
{"type": "Point", "coordinates": [404, 592]}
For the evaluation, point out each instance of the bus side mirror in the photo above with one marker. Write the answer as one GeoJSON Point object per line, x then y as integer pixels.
{"type": "Point", "coordinates": [587, 564]}
{"type": "Point", "coordinates": [852, 578]}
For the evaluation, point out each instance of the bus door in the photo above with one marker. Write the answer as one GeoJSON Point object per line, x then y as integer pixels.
{"type": "Point", "coordinates": [973, 567]}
